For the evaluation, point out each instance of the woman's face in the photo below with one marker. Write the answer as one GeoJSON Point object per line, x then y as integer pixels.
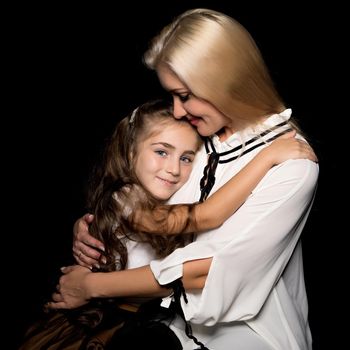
{"type": "Point", "coordinates": [207, 119]}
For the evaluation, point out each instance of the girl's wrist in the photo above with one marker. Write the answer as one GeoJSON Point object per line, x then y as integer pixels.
{"type": "Point", "coordinates": [266, 156]}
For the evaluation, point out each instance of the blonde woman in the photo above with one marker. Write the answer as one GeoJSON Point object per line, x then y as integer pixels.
{"type": "Point", "coordinates": [244, 280]}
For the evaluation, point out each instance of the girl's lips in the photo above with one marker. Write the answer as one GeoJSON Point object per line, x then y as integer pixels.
{"type": "Point", "coordinates": [167, 182]}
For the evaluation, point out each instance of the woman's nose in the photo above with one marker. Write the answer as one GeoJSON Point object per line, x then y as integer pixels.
{"type": "Point", "coordinates": [179, 111]}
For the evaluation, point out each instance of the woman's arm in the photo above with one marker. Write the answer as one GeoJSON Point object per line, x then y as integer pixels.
{"type": "Point", "coordinates": [188, 218]}
{"type": "Point", "coordinates": [78, 285]}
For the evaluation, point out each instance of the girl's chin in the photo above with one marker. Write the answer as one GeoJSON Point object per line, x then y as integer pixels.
{"type": "Point", "coordinates": [163, 196]}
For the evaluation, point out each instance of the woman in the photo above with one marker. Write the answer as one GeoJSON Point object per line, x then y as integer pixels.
{"type": "Point", "coordinates": [244, 280]}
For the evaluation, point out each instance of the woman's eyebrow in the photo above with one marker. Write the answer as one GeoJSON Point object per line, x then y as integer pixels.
{"type": "Point", "coordinates": [179, 91]}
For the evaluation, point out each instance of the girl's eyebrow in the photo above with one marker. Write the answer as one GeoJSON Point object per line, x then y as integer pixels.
{"type": "Point", "coordinates": [168, 145]}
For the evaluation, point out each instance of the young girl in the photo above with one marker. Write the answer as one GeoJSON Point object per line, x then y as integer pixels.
{"type": "Point", "coordinates": [149, 158]}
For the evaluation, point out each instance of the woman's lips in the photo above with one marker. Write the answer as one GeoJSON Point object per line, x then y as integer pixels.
{"type": "Point", "coordinates": [194, 120]}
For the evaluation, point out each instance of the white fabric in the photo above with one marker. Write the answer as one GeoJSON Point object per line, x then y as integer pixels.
{"type": "Point", "coordinates": [139, 254]}
{"type": "Point", "coordinates": [256, 280]}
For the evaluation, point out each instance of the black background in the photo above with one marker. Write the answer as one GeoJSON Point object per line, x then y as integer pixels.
{"type": "Point", "coordinates": [74, 71]}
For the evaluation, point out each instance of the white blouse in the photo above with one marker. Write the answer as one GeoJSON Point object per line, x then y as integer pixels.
{"type": "Point", "coordinates": [256, 277]}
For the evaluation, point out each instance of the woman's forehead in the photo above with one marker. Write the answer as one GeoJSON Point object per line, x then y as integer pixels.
{"type": "Point", "coordinates": [169, 80]}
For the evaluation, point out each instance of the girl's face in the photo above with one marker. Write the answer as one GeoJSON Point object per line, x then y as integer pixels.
{"type": "Point", "coordinates": [203, 115]}
{"type": "Point", "coordinates": [164, 161]}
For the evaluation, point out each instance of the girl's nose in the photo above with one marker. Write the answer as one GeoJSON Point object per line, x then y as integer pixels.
{"type": "Point", "coordinates": [173, 167]}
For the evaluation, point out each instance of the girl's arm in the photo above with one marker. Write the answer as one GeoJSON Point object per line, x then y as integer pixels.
{"type": "Point", "coordinates": [189, 218]}
{"type": "Point", "coordinates": [200, 217]}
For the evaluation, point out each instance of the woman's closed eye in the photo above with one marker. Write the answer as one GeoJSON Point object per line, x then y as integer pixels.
{"type": "Point", "coordinates": [183, 97]}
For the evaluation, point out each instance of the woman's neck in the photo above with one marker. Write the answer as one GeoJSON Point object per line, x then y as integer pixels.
{"type": "Point", "coordinates": [229, 130]}
{"type": "Point", "coordinates": [225, 133]}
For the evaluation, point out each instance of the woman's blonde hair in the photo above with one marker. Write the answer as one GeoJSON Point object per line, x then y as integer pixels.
{"type": "Point", "coordinates": [218, 60]}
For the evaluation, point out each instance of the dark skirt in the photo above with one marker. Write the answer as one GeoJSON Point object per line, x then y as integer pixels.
{"type": "Point", "coordinates": [110, 326]}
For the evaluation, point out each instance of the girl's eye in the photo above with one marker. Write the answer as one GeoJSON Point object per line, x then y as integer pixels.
{"type": "Point", "coordinates": [186, 159]}
{"type": "Point", "coordinates": [161, 153]}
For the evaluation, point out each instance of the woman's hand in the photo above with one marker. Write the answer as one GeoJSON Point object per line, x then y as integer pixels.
{"type": "Point", "coordinates": [72, 290]}
{"type": "Point", "coordinates": [86, 249]}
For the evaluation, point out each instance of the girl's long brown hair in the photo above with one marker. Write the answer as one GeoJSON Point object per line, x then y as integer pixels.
{"type": "Point", "coordinates": [114, 192]}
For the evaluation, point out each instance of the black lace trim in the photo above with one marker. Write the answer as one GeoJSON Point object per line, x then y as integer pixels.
{"type": "Point", "coordinates": [179, 291]}
{"type": "Point", "coordinates": [208, 179]}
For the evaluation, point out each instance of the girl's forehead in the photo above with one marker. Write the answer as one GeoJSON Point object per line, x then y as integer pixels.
{"type": "Point", "coordinates": [170, 126]}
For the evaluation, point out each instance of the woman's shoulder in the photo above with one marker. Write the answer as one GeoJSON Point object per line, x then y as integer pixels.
{"type": "Point", "coordinates": [302, 172]}
{"type": "Point", "coordinates": [294, 178]}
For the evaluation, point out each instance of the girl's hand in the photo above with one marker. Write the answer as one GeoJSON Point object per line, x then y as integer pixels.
{"type": "Point", "coordinates": [287, 147]}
